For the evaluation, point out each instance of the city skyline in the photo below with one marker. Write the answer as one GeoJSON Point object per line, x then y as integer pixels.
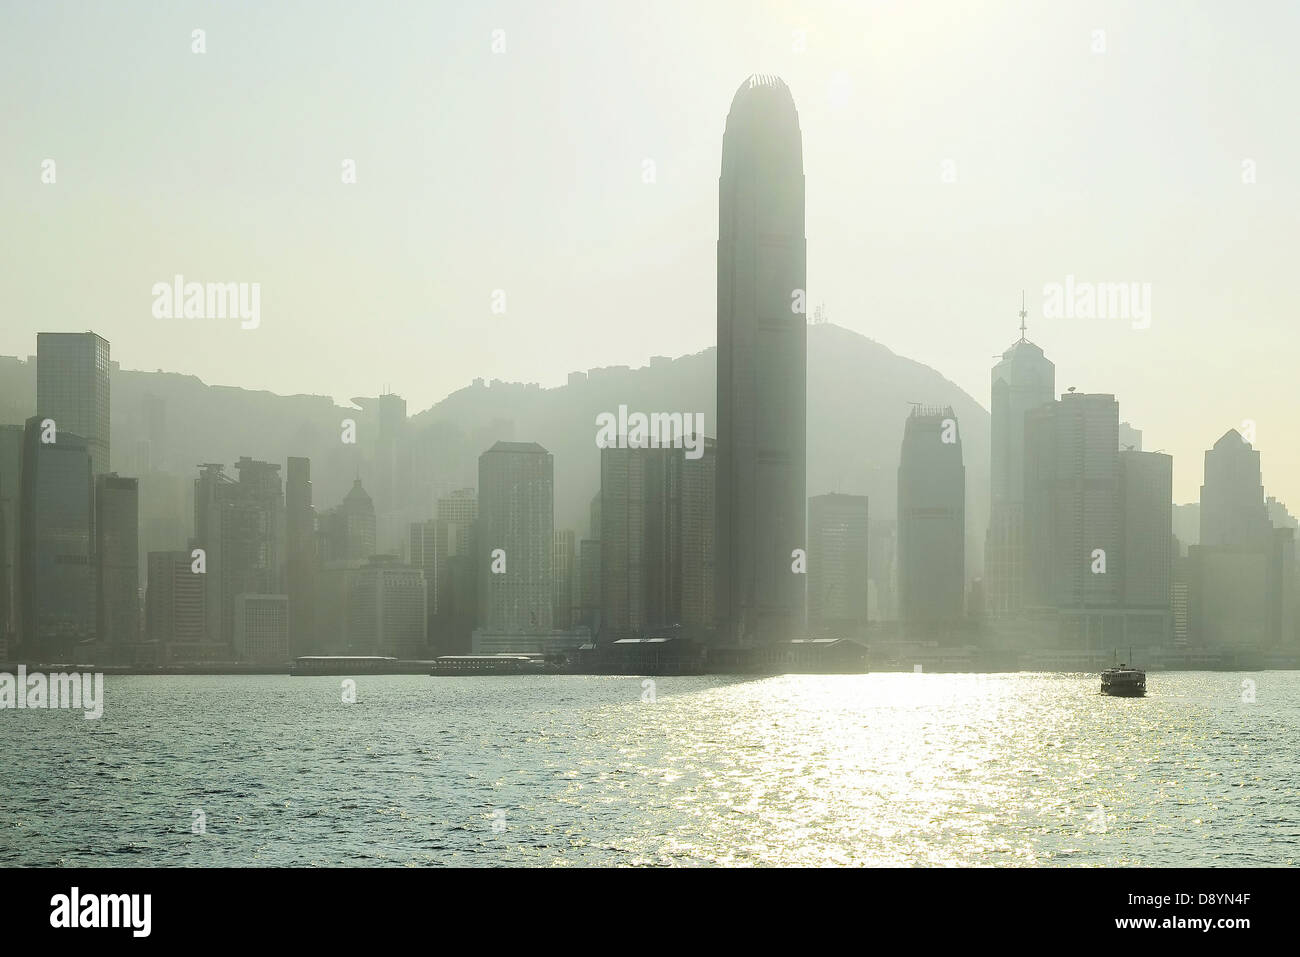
{"type": "Point", "coordinates": [930, 292]}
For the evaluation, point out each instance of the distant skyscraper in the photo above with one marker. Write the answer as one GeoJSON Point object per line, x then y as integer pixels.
{"type": "Point", "coordinates": [1242, 588]}
{"type": "Point", "coordinates": [1024, 379]}
{"type": "Point", "coordinates": [931, 521]}
{"type": "Point", "coordinates": [386, 609]}
{"type": "Point", "coordinates": [1073, 509]}
{"type": "Point", "coordinates": [623, 483]}
{"type": "Point", "coordinates": [175, 607]}
{"type": "Point", "coordinates": [348, 532]}
{"type": "Point", "coordinates": [1147, 555]}
{"type": "Point", "coordinates": [838, 547]}
{"type": "Point", "coordinates": [117, 563]}
{"type": "Point", "coordinates": [300, 571]}
{"type": "Point", "coordinates": [383, 440]}
{"type": "Point", "coordinates": [261, 633]}
{"type": "Point", "coordinates": [455, 590]}
{"type": "Point", "coordinates": [762, 367]}
{"type": "Point", "coordinates": [72, 388]}
{"type": "Point", "coordinates": [1232, 498]}
{"type": "Point", "coordinates": [56, 584]}
{"type": "Point", "coordinates": [1130, 439]}
{"type": "Point", "coordinates": [241, 527]}
{"type": "Point", "coordinates": [11, 480]}
{"type": "Point", "coordinates": [516, 488]}
{"type": "Point", "coordinates": [564, 561]}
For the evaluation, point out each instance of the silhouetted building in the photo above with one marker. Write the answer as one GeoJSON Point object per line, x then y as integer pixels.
{"type": "Point", "coordinates": [516, 513]}
{"type": "Point", "coordinates": [564, 561]}
{"type": "Point", "coordinates": [589, 584]}
{"type": "Point", "coordinates": [1147, 480]}
{"type": "Point", "coordinates": [931, 523]}
{"type": "Point", "coordinates": [1242, 592]}
{"type": "Point", "coordinates": [300, 571]}
{"type": "Point", "coordinates": [882, 569]}
{"type": "Point", "coordinates": [656, 548]}
{"type": "Point", "coordinates": [176, 608]}
{"type": "Point", "coordinates": [72, 389]}
{"type": "Point", "coordinates": [838, 549]}
{"type": "Point", "coordinates": [117, 563]}
{"type": "Point", "coordinates": [262, 628]}
{"type": "Point", "coordinates": [241, 527]}
{"type": "Point", "coordinates": [347, 533]}
{"type": "Point", "coordinates": [1024, 379]}
{"type": "Point", "coordinates": [762, 368]}
{"type": "Point", "coordinates": [11, 478]}
{"type": "Point", "coordinates": [56, 585]}
{"type": "Point", "coordinates": [386, 609]}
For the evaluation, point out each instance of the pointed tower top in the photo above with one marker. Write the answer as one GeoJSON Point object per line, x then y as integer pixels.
{"type": "Point", "coordinates": [1023, 314]}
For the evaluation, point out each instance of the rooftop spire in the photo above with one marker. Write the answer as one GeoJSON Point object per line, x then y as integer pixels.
{"type": "Point", "coordinates": [1022, 315]}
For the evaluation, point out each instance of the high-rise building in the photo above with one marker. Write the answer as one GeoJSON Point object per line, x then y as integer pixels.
{"type": "Point", "coordinates": [72, 388]}
{"type": "Point", "coordinates": [931, 522]}
{"type": "Point", "coordinates": [11, 478]}
{"type": "Point", "coordinates": [1232, 499]}
{"type": "Point", "coordinates": [623, 587]}
{"type": "Point", "coordinates": [697, 487]}
{"type": "Point", "coordinates": [564, 578]}
{"type": "Point", "coordinates": [762, 368]}
{"type": "Point", "coordinates": [56, 564]}
{"type": "Point", "coordinates": [656, 545]}
{"type": "Point", "coordinates": [300, 570]}
{"type": "Point", "coordinates": [261, 633]}
{"type": "Point", "coordinates": [383, 441]}
{"type": "Point", "coordinates": [455, 589]}
{"type": "Point", "coordinates": [838, 548]}
{"type": "Point", "coordinates": [589, 584]}
{"type": "Point", "coordinates": [348, 532]}
{"type": "Point", "coordinates": [426, 549]}
{"type": "Point", "coordinates": [117, 564]}
{"type": "Point", "coordinates": [240, 525]}
{"type": "Point", "coordinates": [1242, 588]}
{"type": "Point", "coordinates": [1148, 552]}
{"type": "Point", "coordinates": [1023, 379]}
{"type": "Point", "coordinates": [516, 489]}
{"type": "Point", "coordinates": [176, 607]}
{"type": "Point", "coordinates": [386, 609]}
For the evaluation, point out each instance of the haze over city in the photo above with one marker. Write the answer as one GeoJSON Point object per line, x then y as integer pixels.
{"type": "Point", "coordinates": [1065, 155]}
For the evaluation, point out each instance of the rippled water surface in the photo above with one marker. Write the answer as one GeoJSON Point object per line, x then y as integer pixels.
{"type": "Point", "coordinates": [895, 769]}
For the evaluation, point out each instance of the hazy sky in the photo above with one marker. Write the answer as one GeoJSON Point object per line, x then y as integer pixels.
{"type": "Point", "coordinates": [523, 171]}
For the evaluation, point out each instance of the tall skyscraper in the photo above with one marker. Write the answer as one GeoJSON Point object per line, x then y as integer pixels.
{"type": "Point", "coordinates": [117, 564]}
{"type": "Point", "coordinates": [516, 486]}
{"type": "Point", "coordinates": [1232, 499]}
{"type": "Point", "coordinates": [56, 582]}
{"type": "Point", "coordinates": [838, 548]}
{"type": "Point", "coordinates": [72, 389]}
{"type": "Point", "coordinates": [623, 482]}
{"type": "Point", "coordinates": [348, 532]}
{"type": "Point", "coordinates": [1148, 552]}
{"type": "Point", "coordinates": [386, 609]}
{"type": "Point", "coordinates": [241, 527]}
{"type": "Point", "coordinates": [11, 480]}
{"type": "Point", "coordinates": [300, 572]}
{"type": "Point", "coordinates": [762, 367]}
{"type": "Point", "coordinates": [176, 607]}
{"type": "Point", "coordinates": [1241, 592]}
{"type": "Point", "coordinates": [261, 634]}
{"type": "Point", "coordinates": [656, 546]}
{"type": "Point", "coordinates": [564, 578]}
{"type": "Point", "coordinates": [931, 522]}
{"type": "Point", "coordinates": [1023, 379]}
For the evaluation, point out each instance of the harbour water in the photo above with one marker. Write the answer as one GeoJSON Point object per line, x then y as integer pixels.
{"type": "Point", "coordinates": [879, 769]}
